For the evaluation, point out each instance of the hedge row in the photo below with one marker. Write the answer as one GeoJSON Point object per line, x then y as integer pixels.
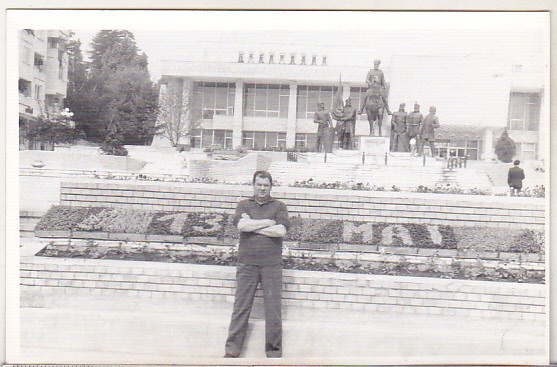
{"type": "Point", "coordinates": [305, 230]}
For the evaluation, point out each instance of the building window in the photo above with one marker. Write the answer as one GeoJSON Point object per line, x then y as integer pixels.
{"type": "Point", "coordinates": [457, 148]}
{"type": "Point", "coordinates": [39, 62]}
{"type": "Point", "coordinates": [195, 138]}
{"type": "Point", "coordinates": [266, 100]}
{"type": "Point", "coordinates": [38, 91]}
{"type": "Point", "coordinates": [206, 137]}
{"type": "Point", "coordinates": [309, 96]}
{"type": "Point", "coordinates": [524, 111]}
{"type": "Point", "coordinates": [211, 99]}
{"type": "Point", "coordinates": [248, 138]}
{"type": "Point", "coordinates": [53, 42]}
{"type": "Point", "coordinates": [526, 150]}
{"type": "Point", "coordinates": [24, 87]}
{"type": "Point", "coordinates": [264, 140]}
{"type": "Point", "coordinates": [305, 141]}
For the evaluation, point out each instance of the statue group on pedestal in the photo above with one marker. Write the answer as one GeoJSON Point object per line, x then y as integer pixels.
{"type": "Point", "coordinates": [410, 132]}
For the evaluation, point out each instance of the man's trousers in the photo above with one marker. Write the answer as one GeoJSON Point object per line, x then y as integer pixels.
{"type": "Point", "coordinates": [247, 279]}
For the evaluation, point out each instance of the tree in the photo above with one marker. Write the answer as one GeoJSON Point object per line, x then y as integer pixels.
{"type": "Point", "coordinates": [116, 89]}
{"type": "Point", "coordinates": [54, 126]}
{"type": "Point", "coordinates": [175, 121]}
{"type": "Point", "coordinates": [505, 148]}
{"type": "Point", "coordinates": [112, 145]}
{"type": "Point", "coordinates": [78, 99]}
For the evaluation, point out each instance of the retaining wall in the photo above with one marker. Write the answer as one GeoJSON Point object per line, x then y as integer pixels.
{"type": "Point", "coordinates": [231, 171]}
{"type": "Point", "coordinates": [300, 288]}
{"type": "Point", "coordinates": [67, 160]}
{"type": "Point", "coordinates": [369, 206]}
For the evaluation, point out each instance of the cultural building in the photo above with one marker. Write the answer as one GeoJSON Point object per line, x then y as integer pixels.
{"type": "Point", "coordinates": [266, 100]}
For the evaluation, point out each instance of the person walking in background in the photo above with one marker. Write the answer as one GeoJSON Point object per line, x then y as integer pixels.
{"type": "Point", "coordinates": [515, 177]}
{"type": "Point", "coordinates": [263, 222]}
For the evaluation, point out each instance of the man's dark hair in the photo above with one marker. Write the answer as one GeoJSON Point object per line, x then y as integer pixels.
{"type": "Point", "coordinates": [263, 174]}
{"type": "Point", "coordinates": [517, 162]}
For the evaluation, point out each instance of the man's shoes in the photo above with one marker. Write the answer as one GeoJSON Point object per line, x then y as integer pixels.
{"type": "Point", "coordinates": [229, 356]}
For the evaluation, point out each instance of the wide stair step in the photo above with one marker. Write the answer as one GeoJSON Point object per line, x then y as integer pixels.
{"type": "Point", "coordinates": [402, 177]}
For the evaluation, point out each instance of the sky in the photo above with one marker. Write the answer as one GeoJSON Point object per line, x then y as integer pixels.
{"type": "Point", "coordinates": [347, 38]}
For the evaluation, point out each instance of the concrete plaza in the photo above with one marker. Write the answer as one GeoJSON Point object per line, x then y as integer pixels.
{"type": "Point", "coordinates": [60, 327]}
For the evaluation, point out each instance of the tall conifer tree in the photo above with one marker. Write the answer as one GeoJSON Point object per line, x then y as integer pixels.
{"type": "Point", "coordinates": [118, 90]}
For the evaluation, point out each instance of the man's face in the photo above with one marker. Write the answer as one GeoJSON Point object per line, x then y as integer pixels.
{"type": "Point", "coordinates": [262, 188]}
{"type": "Point", "coordinates": [376, 65]}
{"type": "Point", "coordinates": [348, 103]}
{"type": "Point", "coordinates": [320, 107]}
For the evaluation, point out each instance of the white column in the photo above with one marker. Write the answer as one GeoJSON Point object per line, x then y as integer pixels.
{"type": "Point", "coordinates": [487, 146]}
{"type": "Point", "coordinates": [291, 124]}
{"type": "Point", "coordinates": [238, 115]}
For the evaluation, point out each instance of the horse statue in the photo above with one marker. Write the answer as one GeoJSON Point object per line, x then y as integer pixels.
{"type": "Point", "coordinates": [375, 105]}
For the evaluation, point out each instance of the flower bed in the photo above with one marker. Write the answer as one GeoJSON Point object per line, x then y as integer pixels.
{"type": "Point", "coordinates": [381, 264]}
{"type": "Point", "coordinates": [536, 191]}
{"type": "Point", "coordinates": [303, 230]}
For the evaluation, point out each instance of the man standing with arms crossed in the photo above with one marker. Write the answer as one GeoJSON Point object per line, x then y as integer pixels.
{"type": "Point", "coordinates": [262, 222]}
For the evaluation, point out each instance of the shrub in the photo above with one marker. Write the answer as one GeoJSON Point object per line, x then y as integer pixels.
{"type": "Point", "coordinates": [536, 191]}
{"type": "Point", "coordinates": [529, 241]}
{"type": "Point", "coordinates": [211, 148]}
{"type": "Point", "coordinates": [505, 148]}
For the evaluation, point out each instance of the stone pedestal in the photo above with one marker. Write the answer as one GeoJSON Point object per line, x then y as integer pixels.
{"type": "Point", "coordinates": [328, 139]}
{"type": "Point", "coordinates": [374, 149]}
{"type": "Point", "coordinates": [374, 145]}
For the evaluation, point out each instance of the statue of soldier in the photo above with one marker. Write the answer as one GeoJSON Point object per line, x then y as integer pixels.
{"type": "Point", "coordinates": [399, 136]}
{"type": "Point", "coordinates": [427, 132]}
{"type": "Point", "coordinates": [414, 122]}
{"type": "Point", "coordinates": [374, 103]}
{"type": "Point", "coordinates": [376, 75]}
{"type": "Point", "coordinates": [323, 119]}
{"type": "Point", "coordinates": [337, 115]}
{"type": "Point", "coordinates": [349, 119]}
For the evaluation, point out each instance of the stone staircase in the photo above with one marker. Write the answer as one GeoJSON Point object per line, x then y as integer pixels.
{"type": "Point", "coordinates": [401, 170]}
{"type": "Point", "coordinates": [382, 176]}
{"type": "Point", "coordinates": [470, 178]}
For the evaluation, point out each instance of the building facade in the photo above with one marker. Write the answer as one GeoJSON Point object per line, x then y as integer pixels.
{"type": "Point", "coordinates": [43, 76]}
{"type": "Point", "coordinates": [264, 101]}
